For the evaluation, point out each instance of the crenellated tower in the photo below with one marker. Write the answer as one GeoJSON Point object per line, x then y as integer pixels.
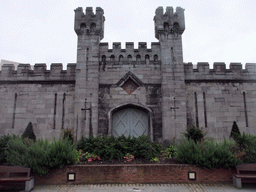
{"type": "Point", "coordinates": [89, 24]}
{"type": "Point", "coordinates": [169, 27]}
{"type": "Point", "coordinates": [89, 27]}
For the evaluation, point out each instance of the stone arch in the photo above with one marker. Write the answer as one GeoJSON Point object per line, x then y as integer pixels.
{"type": "Point", "coordinates": [103, 58]}
{"type": "Point", "coordinates": [92, 27]}
{"type": "Point", "coordinates": [82, 27]}
{"type": "Point", "coordinates": [176, 26]}
{"type": "Point", "coordinates": [147, 59]}
{"type": "Point", "coordinates": [121, 58]}
{"type": "Point", "coordinates": [131, 105]}
{"type": "Point", "coordinates": [112, 58]}
{"type": "Point", "coordinates": [166, 26]}
{"type": "Point", "coordinates": [129, 59]}
{"type": "Point", "coordinates": [155, 58]}
{"type": "Point", "coordinates": [138, 58]}
{"type": "Point", "coordinates": [103, 62]}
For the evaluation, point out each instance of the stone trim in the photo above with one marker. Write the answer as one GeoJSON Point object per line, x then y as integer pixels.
{"type": "Point", "coordinates": [187, 81]}
{"type": "Point", "coordinates": [39, 82]}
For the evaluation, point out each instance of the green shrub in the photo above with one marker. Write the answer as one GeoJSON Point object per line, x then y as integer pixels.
{"type": "Point", "coordinates": [29, 132]}
{"type": "Point", "coordinates": [170, 152]}
{"type": "Point", "coordinates": [61, 152]}
{"type": "Point", "coordinates": [3, 145]}
{"type": "Point", "coordinates": [209, 154]}
{"type": "Point", "coordinates": [109, 148]}
{"type": "Point", "coordinates": [246, 147]}
{"type": "Point", "coordinates": [42, 155]}
{"type": "Point", "coordinates": [195, 133]}
{"type": "Point", "coordinates": [37, 157]}
{"type": "Point", "coordinates": [247, 142]}
{"type": "Point", "coordinates": [145, 148]}
{"type": "Point", "coordinates": [243, 141]}
{"type": "Point", "coordinates": [16, 152]}
{"type": "Point", "coordinates": [250, 156]}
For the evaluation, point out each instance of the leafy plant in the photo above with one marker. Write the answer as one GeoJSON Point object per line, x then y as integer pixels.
{"type": "Point", "coordinates": [16, 151]}
{"type": "Point", "coordinates": [250, 156]}
{"type": "Point", "coordinates": [209, 154]}
{"type": "Point", "coordinates": [155, 159]}
{"type": "Point", "coordinates": [243, 140]}
{"type": "Point", "coordinates": [29, 132]}
{"type": "Point", "coordinates": [37, 157]}
{"type": "Point", "coordinates": [3, 145]}
{"type": "Point", "coordinates": [60, 153]}
{"type": "Point", "coordinates": [42, 155]}
{"type": "Point", "coordinates": [145, 148]}
{"type": "Point", "coordinates": [170, 152]}
{"type": "Point", "coordinates": [90, 157]}
{"type": "Point", "coordinates": [247, 146]}
{"type": "Point", "coordinates": [129, 157]}
{"type": "Point", "coordinates": [195, 133]}
{"type": "Point", "coordinates": [110, 148]}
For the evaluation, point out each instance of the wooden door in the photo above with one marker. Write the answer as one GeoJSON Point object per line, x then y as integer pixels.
{"type": "Point", "coordinates": [130, 121]}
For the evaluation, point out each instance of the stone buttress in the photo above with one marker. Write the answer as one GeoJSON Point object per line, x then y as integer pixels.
{"type": "Point", "coordinates": [169, 27]}
{"type": "Point", "coordinates": [89, 27]}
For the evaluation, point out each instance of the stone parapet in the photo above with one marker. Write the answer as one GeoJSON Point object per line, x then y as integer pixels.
{"type": "Point", "coordinates": [129, 53]}
{"type": "Point", "coordinates": [220, 71]}
{"type": "Point", "coordinates": [40, 73]}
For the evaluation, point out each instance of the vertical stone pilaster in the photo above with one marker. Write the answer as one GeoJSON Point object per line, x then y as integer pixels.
{"type": "Point", "coordinates": [169, 27]}
{"type": "Point", "coordinates": [173, 86]}
{"type": "Point", "coordinates": [89, 27]}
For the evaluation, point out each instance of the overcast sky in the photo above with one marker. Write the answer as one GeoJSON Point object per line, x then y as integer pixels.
{"type": "Point", "coordinates": [42, 31]}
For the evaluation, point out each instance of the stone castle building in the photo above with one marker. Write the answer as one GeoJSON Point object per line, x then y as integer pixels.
{"type": "Point", "coordinates": [128, 91]}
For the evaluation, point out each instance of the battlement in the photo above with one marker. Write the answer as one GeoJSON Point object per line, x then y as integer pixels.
{"type": "Point", "coordinates": [142, 55]}
{"type": "Point", "coordinates": [169, 22]}
{"type": "Point", "coordinates": [40, 73]}
{"type": "Point", "coordinates": [201, 71]}
{"type": "Point", "coordinates": [89, 23]}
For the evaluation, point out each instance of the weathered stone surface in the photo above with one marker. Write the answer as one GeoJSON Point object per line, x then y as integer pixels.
{"type": "Point", "coordinates": [102, 81]}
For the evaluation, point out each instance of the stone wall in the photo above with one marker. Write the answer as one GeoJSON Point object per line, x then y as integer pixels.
{"type": "Point", "coordinates": [216, 105]}
{"type": "Point", "coordinates": [217, 97]}
{"type": "Point", "coordinates": [148, 94]}
{"type": "Point", "coordinates": [112, 97]}
{"type": "Point", "coordinates": [48, 106]}
{"type": "Point", "coordinates": [43, 97]}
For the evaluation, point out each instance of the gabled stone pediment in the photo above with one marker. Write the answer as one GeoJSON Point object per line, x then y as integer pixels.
{"type": "Point", "coordinates": [130, 83]}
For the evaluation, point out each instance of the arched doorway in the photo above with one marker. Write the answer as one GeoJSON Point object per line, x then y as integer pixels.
{"type": "Point", "coordinates": [130, 121]}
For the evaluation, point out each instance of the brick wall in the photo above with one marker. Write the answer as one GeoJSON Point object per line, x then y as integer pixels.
{"type": "Point", "coordinates": [147, 173]}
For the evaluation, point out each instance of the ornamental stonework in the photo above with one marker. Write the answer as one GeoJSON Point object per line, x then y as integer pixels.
{"type": "Point", "coordinates": [130, 86]}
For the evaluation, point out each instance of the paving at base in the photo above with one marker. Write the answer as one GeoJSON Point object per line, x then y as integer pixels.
{"type": "Point", "coordinates": [146, 188]}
